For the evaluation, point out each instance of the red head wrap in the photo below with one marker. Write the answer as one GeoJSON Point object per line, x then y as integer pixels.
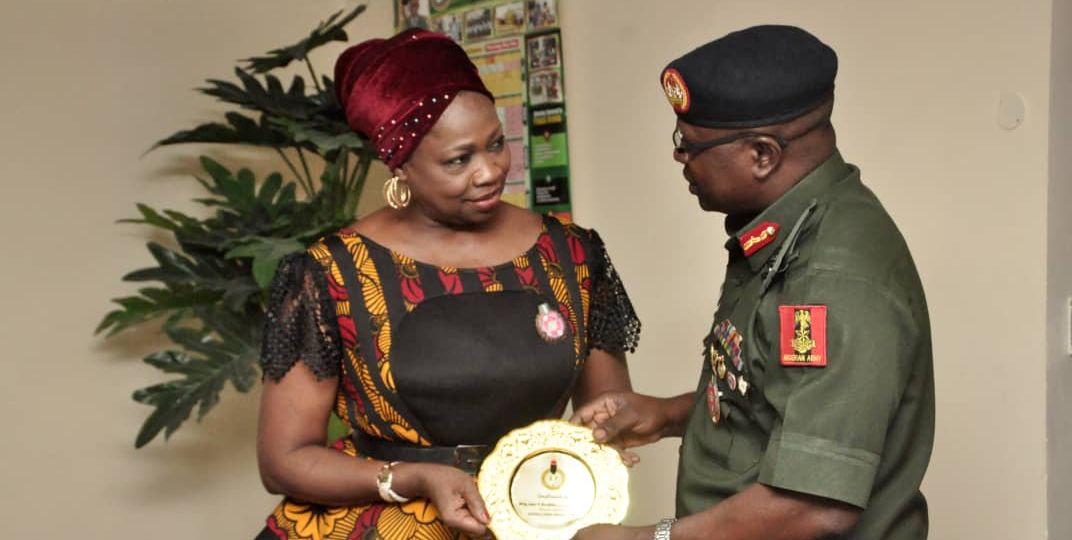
{"type": "Point", "coordinates": [394, 90]}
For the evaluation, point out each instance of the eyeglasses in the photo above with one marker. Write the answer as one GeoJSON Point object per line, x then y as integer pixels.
{"type": "Point", "coordinates": [682, 146]}
{"type": "Point", "coordinates": [691, 149]}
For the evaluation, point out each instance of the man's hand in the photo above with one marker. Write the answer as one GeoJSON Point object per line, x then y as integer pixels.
{"type": "Point", "coordinates": [628, 419]}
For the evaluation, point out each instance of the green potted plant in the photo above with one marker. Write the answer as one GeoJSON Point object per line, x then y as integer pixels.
{"type": "Point", "coordinates": [208, 285]}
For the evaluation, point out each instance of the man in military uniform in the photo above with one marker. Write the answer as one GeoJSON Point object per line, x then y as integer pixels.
{"type": "Point", "coordinates": [814, 412]}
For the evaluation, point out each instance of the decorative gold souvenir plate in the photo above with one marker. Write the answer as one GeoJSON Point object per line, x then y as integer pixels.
{"type": "Point", "coordinates": [548, 480]}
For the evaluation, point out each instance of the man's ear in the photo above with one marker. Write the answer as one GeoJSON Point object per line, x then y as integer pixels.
{"type": "Point", "coordinates": [766, 156]}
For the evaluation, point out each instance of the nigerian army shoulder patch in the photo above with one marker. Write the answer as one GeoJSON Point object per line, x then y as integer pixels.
{"type": "Point", "coordinates": [803, 335]}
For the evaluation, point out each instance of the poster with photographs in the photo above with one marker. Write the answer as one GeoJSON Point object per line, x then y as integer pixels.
{"type": "Point", "coordinates": [516, 46]}
{"type": "Point", "coordinates": [443, 6]}
{"type": "Point", "coordinates": [413, 14]}
{"type": "Point", "coordinates": [478, 24]}
{"type": "Point", "coordinates": [510, 19]}
{"type": "Point", "coordinates": [545, 86]}
{"type": "Point", "coordinates": [450, 24]}
{"type": "Point", "coordinates": [542, 14]}
{"type": "Point", "coordinates": [543, 51]}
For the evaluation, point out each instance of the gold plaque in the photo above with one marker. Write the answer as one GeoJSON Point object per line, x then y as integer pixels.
{"type": "Point", "coordinates": [548, 480]}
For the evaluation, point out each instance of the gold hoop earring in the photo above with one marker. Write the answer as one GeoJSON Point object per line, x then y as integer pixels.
{"type": "Point", "coordinates": [396, 193]}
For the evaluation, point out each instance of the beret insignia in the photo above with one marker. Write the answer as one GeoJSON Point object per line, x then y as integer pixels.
{"type": "Point", "coordinates": [677, 92]}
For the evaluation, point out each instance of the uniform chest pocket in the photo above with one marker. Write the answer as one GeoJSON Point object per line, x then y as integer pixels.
{"type": "Point", "coordinates": [733, 444]}
{"type": "Point", "coordinates": [742, 442]}
{"type": "Point", "coordinates": [745, 450]}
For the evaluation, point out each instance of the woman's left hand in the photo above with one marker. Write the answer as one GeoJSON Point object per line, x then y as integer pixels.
{"type": "Point", "coordinates": [452, 491]}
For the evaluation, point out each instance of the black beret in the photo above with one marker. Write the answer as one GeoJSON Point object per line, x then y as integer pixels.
{"type": "Point", "coordinates": [753, 77]}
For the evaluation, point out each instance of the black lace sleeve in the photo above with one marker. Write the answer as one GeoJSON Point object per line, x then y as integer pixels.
{"type": "Point", "coordinates": [613, 325]}
{"type": "Point", "coordinates": [300, 323]}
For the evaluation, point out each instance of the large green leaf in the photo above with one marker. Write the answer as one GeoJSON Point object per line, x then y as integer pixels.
{"type": "Point", "coordinates": [155, 302]}
{"type": "Point", "coordinates": [271, 98]}
{"type": "Point", "coordinates": [152, 217]}
{"type": "Point", "coordinates": [241, 293]}
{"type": "Point", "coordinates": [225, 350]}
{"type": "Point", "coordinates": [325, 32]}
{"type": "Point", "coordinates": [325, 142]}
{"type": "Point", "coordinates": [269, 190]}
{"type": "Point", "coordinates": [203, 379]}
{"type": "Point", "coordinates": [239, 129]}
{"type": "Point", "coordinates": [266, 254]}
{"type": "Point", "coordinates": [172, 268]}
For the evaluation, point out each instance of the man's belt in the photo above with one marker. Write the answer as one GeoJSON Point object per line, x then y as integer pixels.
{"type": "Point", "coordinates": [466, 457]}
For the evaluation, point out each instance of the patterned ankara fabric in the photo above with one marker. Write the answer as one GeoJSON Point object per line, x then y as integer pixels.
{"type": "Point", "coordinates": [434, 355]}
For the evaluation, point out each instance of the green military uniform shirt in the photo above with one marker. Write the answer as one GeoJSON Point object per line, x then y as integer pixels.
{"type": "Point", "coordinates": [818, 367]}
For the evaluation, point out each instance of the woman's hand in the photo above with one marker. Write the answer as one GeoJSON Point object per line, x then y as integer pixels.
{"type": "Point", "coordinates": [453, 493]}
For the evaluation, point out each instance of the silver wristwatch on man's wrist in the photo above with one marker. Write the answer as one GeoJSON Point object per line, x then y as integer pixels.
{"type": "Point", "coordinates": [662, 529]}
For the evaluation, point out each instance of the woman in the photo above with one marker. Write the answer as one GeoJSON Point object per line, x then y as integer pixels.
{"type": "Point", "coordinates": [434, 326]}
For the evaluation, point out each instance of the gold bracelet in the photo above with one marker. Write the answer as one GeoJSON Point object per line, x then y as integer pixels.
{"type": "Point", "coordinates": [383, 484]}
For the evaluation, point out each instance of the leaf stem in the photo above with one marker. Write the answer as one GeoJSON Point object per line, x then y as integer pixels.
{"type": "Point", "coordinates": [301, 181]}
{"type": "Point", "coordinates": [305, 167]}
{"type": "Point", "coordinates": [356, 185]}
{"type": "Point", "coordinates": [344, 170]}
{"type": "Point", "coordinates": [312, 73]}
{"type": "Point", "coordinates": [352, 176]}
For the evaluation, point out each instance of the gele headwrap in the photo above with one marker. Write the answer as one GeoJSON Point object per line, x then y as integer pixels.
{"type": "Point", "coordinates": [393, 90]}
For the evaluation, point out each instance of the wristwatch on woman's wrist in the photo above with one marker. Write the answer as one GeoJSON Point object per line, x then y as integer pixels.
{"type": "Point", "coordinates": [383, 484]}
{"type": "Point", "coordinates": [662, 529]}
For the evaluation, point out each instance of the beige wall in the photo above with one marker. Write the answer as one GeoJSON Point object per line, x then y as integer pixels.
{"type": "Point", "coordinates": [90, 84]}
